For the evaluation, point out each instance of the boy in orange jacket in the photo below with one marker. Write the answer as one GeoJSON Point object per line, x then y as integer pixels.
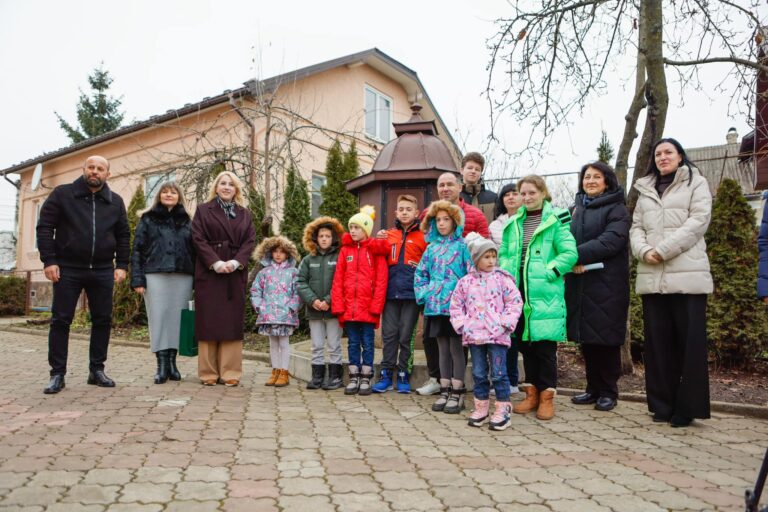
{"type": "Point", "coordinates": [403, 246]}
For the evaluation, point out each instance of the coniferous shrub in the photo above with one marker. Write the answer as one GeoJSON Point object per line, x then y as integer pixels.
{"type": "Point", "coordinates": [737, 323]}
{"type": "Point", "coordinates": [127, 305]}
{"type": "Point", "coordinates": [339, 168]}
{"type": "Point", "coordinates": [296, 209]}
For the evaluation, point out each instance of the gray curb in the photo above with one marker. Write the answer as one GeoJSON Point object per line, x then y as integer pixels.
{"type": "Point", "coordinates": [753, 411]}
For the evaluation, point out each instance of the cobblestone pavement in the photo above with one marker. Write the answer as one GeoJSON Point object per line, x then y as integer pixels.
{"type": "Point", "coordinates": [181, 446]}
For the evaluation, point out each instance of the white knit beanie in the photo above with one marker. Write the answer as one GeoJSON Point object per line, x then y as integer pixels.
{"type": "Point", "coordinates": [478, 246]}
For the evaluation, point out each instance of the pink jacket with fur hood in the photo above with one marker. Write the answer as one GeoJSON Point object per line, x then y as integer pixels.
{"type": "Point", "coordinates": [485, 307]}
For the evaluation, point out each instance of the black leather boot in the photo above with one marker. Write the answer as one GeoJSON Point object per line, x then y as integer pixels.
{"type": "Point", "coordinates": [162, 367]}
{"type": "Point", "coordinates": [55, 385]}
{"type": "Point", "coordinates": [99, 378]}
{"type": "Point", "coordinates": [173, 371]}
{"type": "Point", "coordinates": [318, 375]}
{"type": "Point", "coordinates": [334, 377]}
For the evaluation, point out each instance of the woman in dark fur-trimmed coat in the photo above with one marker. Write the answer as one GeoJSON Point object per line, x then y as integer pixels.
{"type": "Point", "coordinates": [598, 299]}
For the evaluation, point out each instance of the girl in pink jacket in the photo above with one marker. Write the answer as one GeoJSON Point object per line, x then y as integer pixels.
{"type": "Point", "coordinates": [485, 307]}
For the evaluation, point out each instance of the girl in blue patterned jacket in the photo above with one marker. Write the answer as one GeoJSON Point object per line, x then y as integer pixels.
{"type": "Point", "coordinates": [275, 297]}
{"type": "Point", "coordinates": [445, 261]}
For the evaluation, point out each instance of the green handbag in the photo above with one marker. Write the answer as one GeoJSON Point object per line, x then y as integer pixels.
{"type": "Point", "coordinates": [187, 341]}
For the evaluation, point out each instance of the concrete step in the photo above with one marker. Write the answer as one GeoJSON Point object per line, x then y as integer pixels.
{"type": "Point", "coordinates": [301, 364]}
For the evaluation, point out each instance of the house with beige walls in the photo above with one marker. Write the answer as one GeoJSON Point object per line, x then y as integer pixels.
{"type": "Point", "coordinates": [258, 131]}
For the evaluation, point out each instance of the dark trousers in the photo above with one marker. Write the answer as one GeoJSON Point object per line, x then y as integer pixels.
{"type": "Point", "coordinates": [676, 371]}
{"type": "Point", "coordinates": [540, 363]}
{"type": "Point", "coordinates": [603, 367]}
{"type": "Point", "coordinates": [397, 325]}
{"type": "Point", "coordinates": [432, 353]}
{"type": "Point", "coordinates": [539, 357]}
{"type": "Point", "coordinates": [512, 372]}
{"type": "Point", "coordinates": [98, 288]}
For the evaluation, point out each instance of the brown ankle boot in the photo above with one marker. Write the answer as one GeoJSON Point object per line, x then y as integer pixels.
{"type": "Point", "coordinates": [272, 378]}
{"type": "Point", "coordinates": [530, 402]}
{"type": "Point", "coordinates": [283, 379]}
{"type": "Point", "coordinates": [546, 409]}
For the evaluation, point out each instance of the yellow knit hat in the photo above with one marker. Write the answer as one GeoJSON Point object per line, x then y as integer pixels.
{"type": "Point", "coordinates": [364, 219]}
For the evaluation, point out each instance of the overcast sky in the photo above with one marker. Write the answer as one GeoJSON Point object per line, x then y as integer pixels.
{"type": "Point", "coordinates": [163, 54]}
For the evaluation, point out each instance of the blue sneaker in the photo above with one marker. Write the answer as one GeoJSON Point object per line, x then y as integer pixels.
{"type": "Point", "coordinates": [403, 385]}
{"type": "Point", "coordinates": [385, 382]}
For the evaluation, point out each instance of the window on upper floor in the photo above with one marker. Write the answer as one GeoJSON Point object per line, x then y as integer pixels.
{"type": "Point", "coordinates": [318, 180]}
{"type": "Point", "coordinates": [152, 184]}
{"type": "Point", "coordinates": [378, 115]}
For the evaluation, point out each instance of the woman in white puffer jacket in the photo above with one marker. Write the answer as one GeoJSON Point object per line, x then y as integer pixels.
{"type": "Point", "coordinates": [667, 237]}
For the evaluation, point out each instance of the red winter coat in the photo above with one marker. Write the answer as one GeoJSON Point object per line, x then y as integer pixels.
{"type": "Point", "coordinates": [474, 219]}
{"type": "Point", "coordinates": [359, 288]}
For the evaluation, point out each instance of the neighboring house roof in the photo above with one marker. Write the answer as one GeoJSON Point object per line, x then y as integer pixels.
{"type": "Point", "coordinates": [722, 161]}
{"type": "Point", "coordinates": [373, 57]}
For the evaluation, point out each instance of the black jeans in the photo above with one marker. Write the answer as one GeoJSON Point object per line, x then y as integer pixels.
{"type": "Point", "coordinates": [98, 288]}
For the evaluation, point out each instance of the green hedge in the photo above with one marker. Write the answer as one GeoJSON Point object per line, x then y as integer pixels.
{"type": "Point", "coordinates": [12, 290]}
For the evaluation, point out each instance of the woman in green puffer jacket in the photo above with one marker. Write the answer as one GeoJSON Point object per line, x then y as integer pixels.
{"type": "Point", "coordinates": [538, 249]}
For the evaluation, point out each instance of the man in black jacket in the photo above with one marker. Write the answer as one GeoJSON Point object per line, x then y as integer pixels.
{"type": "Point", "coordinates": [84, 243]}
{"type": "Point", "coordinates": [473, 189]}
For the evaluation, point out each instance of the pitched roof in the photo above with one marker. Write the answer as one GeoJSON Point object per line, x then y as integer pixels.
{"type": "Point", "coordinates": [718, 162]}
{"type": "Point", "coordinates": [373, 57]}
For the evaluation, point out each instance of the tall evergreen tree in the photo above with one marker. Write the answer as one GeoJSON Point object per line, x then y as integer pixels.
{"type": "Point", "coordinates": [605, 149]}
{"type": "Point", "coordinates": [128, 306]}
{"type": "Point", "coordinates": [737, 322]}
{"type": "Point", "coordinates": [339, 168]}
{"type": "Point", "coordinates": [96, 114]}
{"type": "Point", "coordinates": [296, 209]}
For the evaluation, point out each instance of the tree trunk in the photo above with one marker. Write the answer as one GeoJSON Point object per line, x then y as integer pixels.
{"type": "Point", "coordinates": [655, 91]}
{"type": "Point", "coordinates": [636, 106]}
{"type": "Point", "coordinates": [650, 91]}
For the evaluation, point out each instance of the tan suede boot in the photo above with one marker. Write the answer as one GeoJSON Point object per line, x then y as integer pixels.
{"type": "Point", "coordinates": [531, 401]}
{"type": "Point", "coordinates": [272, 378]}
{"type": "Point", "coordinates": [283, 379]}
{"type": "Point", "coordinates": [546, 409]}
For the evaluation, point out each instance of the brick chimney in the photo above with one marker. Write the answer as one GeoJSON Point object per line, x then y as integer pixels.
{"type": "Point", "coordinates": [732, 137]}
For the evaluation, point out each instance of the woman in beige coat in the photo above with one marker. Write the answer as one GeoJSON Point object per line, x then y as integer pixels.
{"type": "Point", "coordinates": [667, 237]}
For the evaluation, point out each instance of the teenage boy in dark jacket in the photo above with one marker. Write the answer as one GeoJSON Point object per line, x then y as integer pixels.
{"type": "Point", "coordinates": [403, 246]}
{"type": "Point", "coordinates": [473, 189]}
{"type": "Point", "coordinates": [83, 239]}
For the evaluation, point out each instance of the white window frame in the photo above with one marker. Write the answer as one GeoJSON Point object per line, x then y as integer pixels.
{"type": "Point", "coordinates": [315, 195]}
{"type": "Point", "coordinates": [162, 177]}
{"type": "Point", "coordinates": [382, 137]}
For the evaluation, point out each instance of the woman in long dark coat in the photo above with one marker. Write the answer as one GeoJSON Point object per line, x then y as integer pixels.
{"type": "Point", "coordinates": [598, 299]}
{"type": "Point", "coordinates": [224, 238]}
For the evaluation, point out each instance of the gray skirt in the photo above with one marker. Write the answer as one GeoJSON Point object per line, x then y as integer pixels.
{"type": "Point", "coordinates": [166, 295]}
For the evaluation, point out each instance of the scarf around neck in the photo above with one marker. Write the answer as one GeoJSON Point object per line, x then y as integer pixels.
{"type": "Point", "coordinates": [229, 207]}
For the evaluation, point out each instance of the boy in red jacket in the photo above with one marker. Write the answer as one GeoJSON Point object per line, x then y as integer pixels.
{"type": "Point", "coordinates": [358, 295]}
{"type": "Point", "coordinates": [403, 246]}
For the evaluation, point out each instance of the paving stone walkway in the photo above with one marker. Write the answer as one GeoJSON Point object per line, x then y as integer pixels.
{"type": "Point", "coordinates": [181, 446]}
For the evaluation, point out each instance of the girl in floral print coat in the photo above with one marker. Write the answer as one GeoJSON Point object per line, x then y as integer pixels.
{"type": "Point", "coordinates": [485, 308]}
{"type": "Point", "coordinates": [275, 297]}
